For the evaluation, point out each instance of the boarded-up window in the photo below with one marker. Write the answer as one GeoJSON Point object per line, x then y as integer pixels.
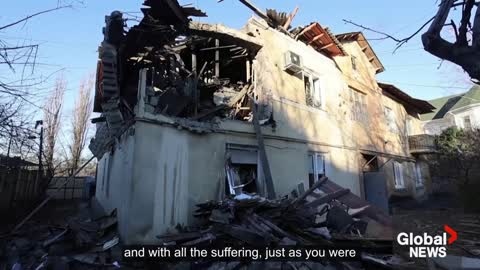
{"type": "Point", "coordinates": [313, 91]}
{"type": "Point", "coordinates": [316, 167]}
{"type": "Point", "coordinates": [391, 121]}
{"type": "Point", "coordinates": [398, 175]}
{"type": "Point", "coordinates": [359, 106]}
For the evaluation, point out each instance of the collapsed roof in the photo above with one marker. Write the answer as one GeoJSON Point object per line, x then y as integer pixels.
{"type": "Point", "coordinates": [193, 70]}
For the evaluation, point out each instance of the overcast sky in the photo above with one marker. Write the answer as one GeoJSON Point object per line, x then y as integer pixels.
{"type": "Point", "coordinates": [69, 38]}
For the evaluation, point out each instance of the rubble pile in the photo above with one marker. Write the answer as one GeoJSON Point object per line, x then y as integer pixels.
{"type": "Point", "coordinates": [322, 216]}
{"type": "Point", "coordinates": [78, 244]}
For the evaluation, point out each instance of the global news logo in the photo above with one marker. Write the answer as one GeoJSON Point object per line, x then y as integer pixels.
{"type": "Point", "coordinates": [427, 246]}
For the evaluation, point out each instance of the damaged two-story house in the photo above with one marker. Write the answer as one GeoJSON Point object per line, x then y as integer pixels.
{"type": "Point", "coordinates": [192, 112]}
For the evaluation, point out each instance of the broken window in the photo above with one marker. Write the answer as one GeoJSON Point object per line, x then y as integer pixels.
{"type": "Point", "coordinates": [313, 91]}
{"type": "Point", "coordinates": [391, 121]}
{"type": "Point", "coordinates": [369, 163]}
{"type": "Point", "coordinates": [467, 123]}
{"type": "Point", "coordinates": [316, 167]}
{"type": "Point", "coordinates": [359, 106]}
{"type": "Point", "coordinates": [398, 175]}
{"type": "Point", "coordinates": [241, 169]}
{"type": "Point", "coordinates": [418, 174]}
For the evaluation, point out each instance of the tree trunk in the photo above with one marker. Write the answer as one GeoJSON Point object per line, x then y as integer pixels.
{"type": "Point", "coordinates": [460, 53]}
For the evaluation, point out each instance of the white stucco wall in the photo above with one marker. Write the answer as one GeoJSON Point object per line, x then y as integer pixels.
{"type": "Point", "coordinates": [472, 111]}
{"type": "Point", "coordinates": [114, 177]}
{"type": "Point", "coordinates": [157, 176]}
{"type": "Point", "coordinates": [453, 118]}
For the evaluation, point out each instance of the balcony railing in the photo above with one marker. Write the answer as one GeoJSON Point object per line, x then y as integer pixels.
{"type": "Point", "coordinates": [422, 144]}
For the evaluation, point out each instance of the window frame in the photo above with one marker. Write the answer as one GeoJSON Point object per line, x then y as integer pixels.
{"type": "Point", "coordinates": [465, 118]}
{"type": "Point", "coordinates": [313, 161]}
{"type": "Point", "coordinates": [398, 176]}
{"type": "Point", "coordinates": [409, 125]}
{"type": "Point", "coordinates": [359, 106]}
{"type": "Point", "coordinates": [315, 89]}
{"type": "Point", "coordinates": [391, 119]}
{"type": "Point", "coordinates": [419, 180]}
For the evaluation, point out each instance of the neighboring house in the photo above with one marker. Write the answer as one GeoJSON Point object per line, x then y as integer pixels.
{"type": "Point", "coordinates": [462, 111]}
{"type": "Point", "coordinates": [177, 125]}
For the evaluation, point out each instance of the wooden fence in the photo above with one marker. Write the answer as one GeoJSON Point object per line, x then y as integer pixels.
{"type": "Point", "coordinates": [19, 187]}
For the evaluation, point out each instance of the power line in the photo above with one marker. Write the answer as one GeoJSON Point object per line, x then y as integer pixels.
{"type": "Point", "coordinates": [431, 86]}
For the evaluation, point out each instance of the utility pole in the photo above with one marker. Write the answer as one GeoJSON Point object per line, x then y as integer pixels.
{"type": "Point", "coordinates": [10, 141]}
{"type": "Point", "coordinates": [40, 150]}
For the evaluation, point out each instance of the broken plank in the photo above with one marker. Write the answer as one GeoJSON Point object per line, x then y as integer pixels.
{"type": "Point", "coordinates": [240, 95]}
{"type": "Point", "coordinates": [54, 239]}
{"type": "Point", "coordinates": [209, 112]}
{"type": "Point", "coordinates": [256, 10]}
{"type": "Point", "coordinates": [310, 190]}
{"type": "Point", "coordinates": [327, 198]}
{"type": "Point", "coordinates": [219, 48]}
{"type": "Point", "coordinates": [290, 18]}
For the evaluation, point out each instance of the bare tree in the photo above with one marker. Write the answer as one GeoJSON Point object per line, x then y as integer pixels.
{"type": "Point", "coordinates": [464, 51]}
{"type": "Point", "coordinates": [80, 121]}
{"type": "Point", "coordinates": [18, 87]}
{"type": "Point", "coordinates": [52, 112]}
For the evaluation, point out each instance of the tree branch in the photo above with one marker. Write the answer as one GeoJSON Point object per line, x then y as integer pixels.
{"type": "Point", "coordinates": [400, 42]}
{"type": "Point", "coordinates": [33, 15]}
{"type": "Point", "coordinates": [462, 30]}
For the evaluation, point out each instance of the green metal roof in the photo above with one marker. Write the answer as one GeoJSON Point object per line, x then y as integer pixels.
{"type": "Point", "coordinates": [450, 103]}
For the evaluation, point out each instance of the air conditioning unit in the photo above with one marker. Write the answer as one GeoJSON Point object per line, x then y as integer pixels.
{"type": "Point", "coordinates": [293, 62]}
